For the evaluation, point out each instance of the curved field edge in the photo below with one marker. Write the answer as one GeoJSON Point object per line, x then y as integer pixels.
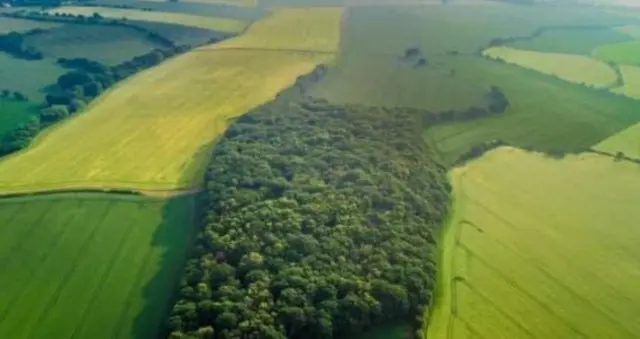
{"type": "Point", "coordinates": [625, 144]}
{"type": "Point", "coordinates": [570, 67]}
{"type": "Point", "coordinates": [155, 131]}
{"type": "Point", "coordinates": [90, 265]}
{"type": "Point", "coordinates": [514, 282]}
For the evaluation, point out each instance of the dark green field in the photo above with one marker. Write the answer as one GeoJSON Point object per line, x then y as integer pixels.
{"type": "Point", "coordinates": [109, 45]}
{"type": "Point", "coordinates": [181, 35]}
{"type": "Point", "coordinates": [30, 77]}
{"type": "Point", "coordinates": [14, 113]}
{"type": "Point", "coordinates": [89, 265]}
{"type": "Point", "coordinates": [8, 25]}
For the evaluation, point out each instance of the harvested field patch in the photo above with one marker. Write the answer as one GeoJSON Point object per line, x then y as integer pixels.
{"type": "Point", "coordinates": [110, 45]}
{"type": "Point", "coordinates": [541, 248]}
{"type": "Point", "coordinates": [306, 29]}
{"type": "Point", "coordinates": [569, 67]}
{"type": "Point", "coordinates": [212, 23]}
{"type": "Point", "coordinates": [244, 13]}
{"type": "Point", "coordinates": [89, 265]}
{"type": "Point", "coordinates": [241, 3]}
{"type": "Point", "coordinates": [8, 25]}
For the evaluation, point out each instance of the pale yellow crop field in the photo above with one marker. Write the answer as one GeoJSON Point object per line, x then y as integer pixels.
{"type": "Point", "coordinates": [631, 77]}
{"type": "Point", "coordinates": [541, 248]}
{"type": "Point", "coordinates": [154, 131]}
{"type": "Point", "coordinates": [569, 67]}
{"type": "Point", "coordinates": [304, 29]}
{"type": "Point", "coordinates": [630, 30]}
{"type": "Point", "coordinates": [627, 142]}
{"type": "Point", "coordinates": [212, 23]}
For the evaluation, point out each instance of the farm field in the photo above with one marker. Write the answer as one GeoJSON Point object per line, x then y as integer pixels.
{"type": "Point", "coordinates": [397, 83]}
{"type": "Point", "coordinates": [244, 13]}
{"type": "Point", "coordinates": [570, 67]}
{"type": "Point", "coordinates": [544, 113]}
{"type": "Point", "coordinates": [109, 45]}
{"type": "Point", "coordinates": [8, 25]}
{"type": "Point", "coordinates": [182, 35]}
{"type": "Point", "coordinates": [630, 30]}
{"type": "Point", "coordinates": [572, 41]}
{"type": "Point", "coordinates": [500, 282]}
{"type": "Point", "coordinates": [89, 265]}
{"type": "Point", "coordinates": [627, 142]}
{"type": "Point", "coordinates": [14, 113]}
{"type": "Point", "coordinates": [41, 73]}
{"type": "Point", "coordinates": [306, 30]}
{"type": "Point", "coordinates": [136, 138]}
{"type": "Point", "coordinates": [369, 69]}
{"type": "Point", "coordinates": [631, 77]}
{"type": "Point", "coordinates": [626, 53]}
{"type": "Point", "coordinates": [241, 3]}
{"type": "Point", "coordinates": [132, 137]}
{"type": "Point", "coordinates": [212, 23]}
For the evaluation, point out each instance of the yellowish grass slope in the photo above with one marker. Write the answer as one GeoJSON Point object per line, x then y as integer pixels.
{"type": "Point", "coordinates": [212, 23]}
{"type": "Point", "coordinates": [541, 248]}
{"type": "Point", "coordinates": [155, 131]}
{"type": "Point", "coordinates": [627, 142]}
{"type": "Point", "coordinates": [569, 67]}
{"type": "Point", "coordinates": [300, 29]}
{"type": "Point", "coordinates": [631, 77]}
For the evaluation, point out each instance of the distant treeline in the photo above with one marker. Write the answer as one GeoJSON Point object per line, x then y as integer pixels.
{"type": "Point", "coordinates": [496, 102]}
{"type": "Point", "coordinates": [319, 222]}
{"type": "Point", "coordinates": [85, 80]}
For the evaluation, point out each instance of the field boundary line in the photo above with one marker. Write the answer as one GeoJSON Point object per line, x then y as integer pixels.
{"type": "Point", "coordinates": [562, 285]}
{"type": "Point", "coordinates": [522, 290]}
{"type": "Point", "coordinates": [505, 315]}
{"type": "Point", "coordinates": [53, 299]}
{"type": "Point", "coordinates": [105, 275]}
{"type": "Point", "coordinates": [122, 191]}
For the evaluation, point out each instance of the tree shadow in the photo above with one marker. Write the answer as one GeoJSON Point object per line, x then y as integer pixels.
{"type": "Point", "coordinates": [173, 237]}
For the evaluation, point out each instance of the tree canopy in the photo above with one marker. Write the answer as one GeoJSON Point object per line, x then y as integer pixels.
{"type": "Point", "coordinates": [318, 222]}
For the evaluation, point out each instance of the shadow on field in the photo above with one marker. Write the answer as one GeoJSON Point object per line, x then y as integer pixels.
{"type": "Point", "coordinates": [172, 237]}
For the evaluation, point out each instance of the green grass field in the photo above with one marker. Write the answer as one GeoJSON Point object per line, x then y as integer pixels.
{"type": "Point", "coordinates": [29, 77]}
{"type": "Point", "coordinates": [369, 69]}
{"type": "Point", "coordinates": [14, 113]}
{"type": "Point", "coordinates": [627, 142]}
{"type": "Point", "coordinates": [625, 53]}
{"type": "Point", "coordinates": [572, 41]}
{"type": "Point", "coordinates": [155, 130]}
{"type": "Point", "coordinates": [181, 35]}
{"type": "Point", "coordinates": [89, 265]}
{"type": "Point", "coordinates": [541, 248]}
{"type": "Point", "coordinates": [574, 68]}
{"type": "Point", "coordinates": [8, 25]}
{"type": "Point", "coordinates": [212, 23]}
{"type": "Point", "coordinates": [110, 45]}
{"type": "Point", "coordinates": [544, 113]}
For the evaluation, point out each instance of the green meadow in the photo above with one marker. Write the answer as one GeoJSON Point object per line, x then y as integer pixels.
{"type": "Point", "coordinates": [89, 265]}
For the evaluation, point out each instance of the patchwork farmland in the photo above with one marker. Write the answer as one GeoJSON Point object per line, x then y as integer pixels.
{"type": "Point", "coordinates": [161, 177]}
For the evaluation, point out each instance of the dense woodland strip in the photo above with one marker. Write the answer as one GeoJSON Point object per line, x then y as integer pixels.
{"type": "Point", "coordinates": [319, 223]}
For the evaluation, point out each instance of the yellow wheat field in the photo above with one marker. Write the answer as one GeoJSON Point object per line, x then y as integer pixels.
{"type": "Point", "coordinates": [304, 29]}
{"type": "Point", "coordinates": [541, 248]}
{"type": "Point", "coordinates": [155, 130]}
